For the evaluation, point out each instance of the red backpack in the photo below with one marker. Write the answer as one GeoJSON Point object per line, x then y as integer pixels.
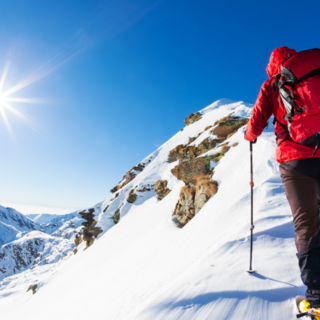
{"type": "Point", "coordinates": [299, 88]}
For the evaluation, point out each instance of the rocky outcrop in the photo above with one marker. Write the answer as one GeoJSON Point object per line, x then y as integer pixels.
{"type": "Point", "coordinates": [161, 189]}
{"type": "Point", "coordinates": [192, 199]}
{"type": "Point", "coordinates": [228, 126]}
{"type": "Point", "coordinates": [132, 197]}
{"type": "Point", "coordinates": [89, 231]}
{"type": "Point", "coordinates": [187, 153]}
{"type": "Point", "coordinates": [146, 187]}
{"type": "Point", "coordinates": [192, 118]}
{"type": "Point", "coordinates": [116, 216]}
{"type": "Point", "coordinates": [207, 144]}
{"type": "Point", "coordinates": [196, 171]}
{"type": "Point", "coordinates": [116, 188]}
{"type": "Point", "coordinates": [190, 170]}
{"type": "Point", "coordinates": [185, 210]}
{"type": "Point", "coordinates": [33, 288]}
{"type": "Point", "coordinates": [182, 152]}
{"type": "Point", "coordinates": [115, 196]}
{"type": "Point", "coordinates": [129, 176]}
{"type": "Point", "coordinates": [106, 208]}
{"type": "Point", "coordinates": [205, 188]}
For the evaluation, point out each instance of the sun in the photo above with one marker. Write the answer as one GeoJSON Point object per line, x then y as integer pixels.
{"type": "Point", "coordinates": [6, 99]}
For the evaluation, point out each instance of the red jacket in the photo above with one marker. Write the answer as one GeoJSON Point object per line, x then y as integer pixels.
{"type": "Point", "coordinates": [268, 103]}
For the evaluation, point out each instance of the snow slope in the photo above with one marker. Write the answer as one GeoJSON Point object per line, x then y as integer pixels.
{"type": "Point", "coordinates": [146, 268]}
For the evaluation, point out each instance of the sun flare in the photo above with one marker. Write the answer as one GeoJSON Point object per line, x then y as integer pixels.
{"type": "Point", "coordinates": [6, 98]}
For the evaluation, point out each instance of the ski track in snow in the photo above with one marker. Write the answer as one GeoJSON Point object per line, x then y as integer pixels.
{"type": "Point", "coordinates": [146, 268]}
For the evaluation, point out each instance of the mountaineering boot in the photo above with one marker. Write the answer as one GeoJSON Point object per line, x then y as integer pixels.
{"type": "Point", "coordinates": [305, 309]}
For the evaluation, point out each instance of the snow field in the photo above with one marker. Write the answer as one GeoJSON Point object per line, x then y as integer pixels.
{"type": "Point", "coordinates": [146, 268]}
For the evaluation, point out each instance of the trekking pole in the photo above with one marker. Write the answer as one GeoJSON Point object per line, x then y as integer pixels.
{"type": "Point", "coordinates": [252, 226]}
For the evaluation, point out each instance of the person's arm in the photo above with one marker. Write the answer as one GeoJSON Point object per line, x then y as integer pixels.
{"type": "Point", "coordinates": [262, 111]}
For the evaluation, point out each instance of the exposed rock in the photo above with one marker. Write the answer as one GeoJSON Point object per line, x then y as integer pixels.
{"type": "Point", "coordinates": [78, 239]}
{"type": "Point", "coordinates": [229, 125]}
{"type": "Point", "coordinates": [195, 171]}
{"type": "Point", "coordinates": [75, 251]}
{"type": "Point", "coordinates": [148, 187]}
{"type": "Point", "coordinates": [132, 197]}
{"type": "Point", "coordinates": [235, 144]}
{"type": "Point", "coordinates": [116, 188]}
{"type": "Point", "coordinates": [106, 208]}
{"type": "Point", "coordinates": [89, 231]}
{"type": "Point", "coordinates": [116, 216]}
{"type": "Point", "coordinates": [205, 189]}
{"type": "Point", "coordinates": [190, 170]}
{"type": "Point", "coordinates": [218, 156]}
{"type": "Point", "coordinates": [185, 209]}
{"type": "Point", "coordinates": [129, 176]}
{"type": "Point", "coordinates": [192, 118]}
{"type": "Point", "coordinates": [207, 144]}
{"type": "Point", "coordinates": [186, 152]}
{"type": "Point", "coordinates": [161, 189]}
{"type": "Point", "coordinates": [194, 138]}
{"type": "Point", "coordinates": [115, 196]}
{"type": "Point", "coordinates": [193, 197]}
{"type": "Point", "coordinates": [182, 152]}
{"type": "Point", "coordinates": [33, 288]}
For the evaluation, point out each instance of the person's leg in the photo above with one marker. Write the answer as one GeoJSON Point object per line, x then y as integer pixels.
{"type": "Point", "coordinates": [302, 194]}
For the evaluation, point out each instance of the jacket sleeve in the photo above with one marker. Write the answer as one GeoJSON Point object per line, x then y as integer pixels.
{"type": "Point", "coordinates": [262, 111]}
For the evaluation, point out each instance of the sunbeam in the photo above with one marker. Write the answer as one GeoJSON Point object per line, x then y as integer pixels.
{"type": "Point", "coordinates": [80, 41]}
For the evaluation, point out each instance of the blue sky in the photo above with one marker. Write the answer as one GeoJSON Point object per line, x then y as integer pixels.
{"type": "Point", "coordinates": [116, 79]}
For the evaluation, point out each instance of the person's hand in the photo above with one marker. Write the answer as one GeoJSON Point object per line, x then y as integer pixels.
{"type": "Point", "coordinates": [254, 141]}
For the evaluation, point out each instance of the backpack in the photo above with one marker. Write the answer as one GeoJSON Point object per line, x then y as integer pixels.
{"type": "Point", "coordinates": [299, 90]}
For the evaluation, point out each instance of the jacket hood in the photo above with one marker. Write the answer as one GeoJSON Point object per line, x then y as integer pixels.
{"type": "Point", "coordinates": [277, 57]}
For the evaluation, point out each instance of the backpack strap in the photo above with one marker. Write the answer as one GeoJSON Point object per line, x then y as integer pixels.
{"type": "Point", "coordinates": [286, 131]}
{"type": "Point", "coordinates": [317, 144]}
{"type": "Point", "coordinates": [308, 75]}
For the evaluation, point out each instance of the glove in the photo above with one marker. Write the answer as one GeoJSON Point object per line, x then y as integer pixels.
{"type": "Point", "coordinates": [254, 141]}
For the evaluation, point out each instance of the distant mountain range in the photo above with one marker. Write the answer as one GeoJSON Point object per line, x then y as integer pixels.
{"type": "Point", "coordinates": [34, 239]}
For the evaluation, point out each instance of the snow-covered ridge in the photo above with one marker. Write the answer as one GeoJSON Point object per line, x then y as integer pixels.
{"type": "Point", "coordinates": [14, 225]}
{"type": "Point", "coordinates": [17, 220]}
{"type": "Point", "coordinates": [145, 268]}
{"type": "Point", "coordinates": [52, 222]}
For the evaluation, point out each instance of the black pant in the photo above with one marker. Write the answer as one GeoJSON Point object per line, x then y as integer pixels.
{"type": "Point", "coordinates": [301, 180]}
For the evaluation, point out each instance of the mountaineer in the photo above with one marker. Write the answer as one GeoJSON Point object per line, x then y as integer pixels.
{"type": "Point", "coordinates": [292, 95]}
